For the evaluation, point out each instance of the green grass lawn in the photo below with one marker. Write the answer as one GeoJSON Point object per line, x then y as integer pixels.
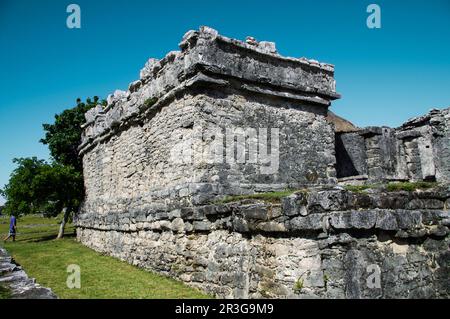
{"type": "Point", "coordinates": [46, 259]}
{"type": "Point", "coordinates": [4, 292]}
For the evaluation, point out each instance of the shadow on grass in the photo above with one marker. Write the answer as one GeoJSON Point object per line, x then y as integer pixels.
{"type": "Point", "coordinates": [51, 237]}
{"type": "Point", "coordinates": [43, 238]}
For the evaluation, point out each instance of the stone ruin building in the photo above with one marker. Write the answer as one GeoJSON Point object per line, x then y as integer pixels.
{"type": "Point", "coordinates": [419, 150]}
{"type": "Point", "coordinates": [156, 201]}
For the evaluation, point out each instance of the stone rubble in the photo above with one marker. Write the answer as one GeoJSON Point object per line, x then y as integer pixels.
{"type": "Point", "coordinates": [14, 278]}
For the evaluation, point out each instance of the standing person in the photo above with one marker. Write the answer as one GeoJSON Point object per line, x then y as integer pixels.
{"type": "Point", "coordinates": [12, 228]}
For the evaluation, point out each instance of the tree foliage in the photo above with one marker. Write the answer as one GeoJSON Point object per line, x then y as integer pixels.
{"type": "Point", "coordinates": [36, 186]}
{"type": "Point", "coordinates": [64, 136]}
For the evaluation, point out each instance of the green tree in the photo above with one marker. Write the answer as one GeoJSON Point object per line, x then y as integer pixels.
{"type": "Point", "coordinates": [64, 136]}
{"type": "Point", "coordinates": [19, 192]}
{"type": "Point", "coordinates": [36, 186]}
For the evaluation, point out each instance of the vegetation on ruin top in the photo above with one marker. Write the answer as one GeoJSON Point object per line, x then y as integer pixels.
{"type": "Point", "coordinates": [150, 102]}
{"type": "Point", "coordinates": [357, 188]}
{"type": "Point", "coordinates": [393, 186]}
{"type": "Point", "coordinates": [272, 197]}
{"type": "Point", "coordinates": [410, 186]}
{"type": "Point", "coordinates": [275, 197]}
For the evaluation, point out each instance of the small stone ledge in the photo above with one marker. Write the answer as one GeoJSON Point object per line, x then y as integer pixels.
{"type": "Point", "coordinates": [409, 214]}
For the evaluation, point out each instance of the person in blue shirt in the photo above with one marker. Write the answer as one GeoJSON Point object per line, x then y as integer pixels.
{"type": "Point", "coordinates": [12, 228]}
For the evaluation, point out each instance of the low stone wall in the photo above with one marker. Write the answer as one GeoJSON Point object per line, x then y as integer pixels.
{"type": "Point", "coordinates": [327, 243]}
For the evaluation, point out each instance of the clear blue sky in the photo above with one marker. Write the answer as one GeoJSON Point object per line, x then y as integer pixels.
{"type": "Point", "coordinates": [385, 76]}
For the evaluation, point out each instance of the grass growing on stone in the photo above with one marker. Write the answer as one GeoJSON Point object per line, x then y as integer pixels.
{"type": "Point", "coordinates": [392, 187]}
{"type": "Point", "coordinates": [46, 259]}
{"type": "Point", "coordinates": [409, 186]}
{"type": "Point", "coordinates": [357, 188]}
{"type": "Point", "coordinates": [150, 102]}
{"type": "Point", "coordinates": [298, 286]}
{"type": "Point", "coordinates": [272, 197]}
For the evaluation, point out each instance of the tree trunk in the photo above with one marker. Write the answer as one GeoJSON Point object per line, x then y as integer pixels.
{"type": "Point", "coordinates": [67, 211]}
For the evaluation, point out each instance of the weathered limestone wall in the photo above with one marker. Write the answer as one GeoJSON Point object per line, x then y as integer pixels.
{"type": "Point", "coordinates": [159, 156]}
{"type": "Point", "coordinates": [140, 167]}
{"type": "Point", "coordinates": [418, 150]}
{"type": "Point", "coordinates": [327, 243]}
